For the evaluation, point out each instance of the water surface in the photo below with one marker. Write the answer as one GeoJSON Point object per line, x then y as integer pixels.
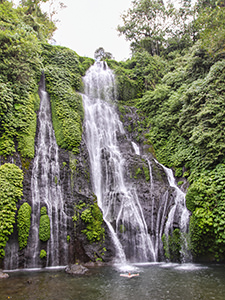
{"type": "Point", "coordinates": [156, 281]}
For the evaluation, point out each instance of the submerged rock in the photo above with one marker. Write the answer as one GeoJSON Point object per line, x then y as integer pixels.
{"type": "Point", "coordinates": [76, 269]}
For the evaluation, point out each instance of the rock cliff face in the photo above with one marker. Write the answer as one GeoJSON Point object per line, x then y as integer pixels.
{"type": "Point", "coordinates": [154, 192]}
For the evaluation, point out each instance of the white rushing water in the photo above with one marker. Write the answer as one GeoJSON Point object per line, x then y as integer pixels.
{"type": "Point", "coordinates": [46, 191]}
{"type": "Point", "coordinates": [118, 200]}
{"type": "Point", "coordinates": [180, 209]}
{"type": "Point", "coordinates": [158, 226]}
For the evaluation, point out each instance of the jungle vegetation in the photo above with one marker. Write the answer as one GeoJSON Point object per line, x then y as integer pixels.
{"type": "Point", "coordinates": [175, 77]}
{"type": "Point", "coordinates": [25, 55]}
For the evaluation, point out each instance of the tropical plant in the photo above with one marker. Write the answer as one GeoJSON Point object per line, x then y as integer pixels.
{"type": "Point", "coordinates": [23, 224]}
{"type": "Point", "coordinates": [44, 226]}
{"type": "Point", "coordinates": [11, 190]}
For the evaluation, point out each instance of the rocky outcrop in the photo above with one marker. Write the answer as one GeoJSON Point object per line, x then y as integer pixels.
{"type": "Point", "coordinates": [76, 269]}
{"type": "Point", "coordinates": [77, 187]}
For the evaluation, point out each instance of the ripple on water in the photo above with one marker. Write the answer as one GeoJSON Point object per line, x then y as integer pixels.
{"type": "Point", "coordinates": [156, 282]}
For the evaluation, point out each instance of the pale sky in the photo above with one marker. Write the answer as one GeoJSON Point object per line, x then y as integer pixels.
{"type": "Point", "coordinates": [86, 25]}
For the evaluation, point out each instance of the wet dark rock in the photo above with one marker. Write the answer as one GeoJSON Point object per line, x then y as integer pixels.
{"type": "Point", "coordinates": [76, 269]}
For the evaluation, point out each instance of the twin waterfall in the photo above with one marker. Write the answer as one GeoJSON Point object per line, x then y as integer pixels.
{"type": "Point", "coordinates": [136, 214]}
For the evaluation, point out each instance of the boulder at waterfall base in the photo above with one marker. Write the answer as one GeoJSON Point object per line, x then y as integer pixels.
{"type": "Point", "coordinates": [76, 269]}
{"type": "Point", "coordinates": [3, 275]}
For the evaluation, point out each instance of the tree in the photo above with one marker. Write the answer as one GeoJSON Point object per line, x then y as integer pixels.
{"type": "Point", "coordinates": [37, 19]}
{"type": "Point", "coordinates": [100, 54]}
{"type": "Point", "coordinates": [54, 7]}
{"type": "Point", "coordinates": [32, 5]}
{"type": "Point", "coordinates": [211, 24]}
{"type": "Point", "coordinates": [153, 26]}
{"type": "Point", "coordinates": [145, 25]}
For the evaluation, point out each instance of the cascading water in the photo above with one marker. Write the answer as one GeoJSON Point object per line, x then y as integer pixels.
{"type": "Point", "coordinates": [179, 208]}
{"type": "Point", "coordinates": [164, 221]}
{"type": "Point", "coordinates": [118, 200]}
{"type": "Point", "coordinates": [46, 191]}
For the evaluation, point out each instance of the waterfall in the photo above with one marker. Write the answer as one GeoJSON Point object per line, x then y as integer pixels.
{"type": "Point", "coordinates": [179, 208]}
{"type": "Point", "coordinates": [134, 239]}
{"type": "Point", "coordinates": [136, 148]}
{"type": "Point", "coordinates": [117, 199]}
{"type": "Point", "coordinates": [46, 191]}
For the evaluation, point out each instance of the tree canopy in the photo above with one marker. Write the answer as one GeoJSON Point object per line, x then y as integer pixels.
{"type": "Point", "coordinates": [101, 54]}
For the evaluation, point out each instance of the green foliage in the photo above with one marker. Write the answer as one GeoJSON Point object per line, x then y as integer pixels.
{"type": "Point", "coordinates": [23, 224]}
{"type": "Point", "coordinates": [20, 66]}
{"type": "Point", "coordinates": [43, 211]}
{"type": "Point", "coordinates": [202, 118]}
{"type": "Point", "coordinates": [43, 254]}
{"type": "Point", "coordinates": [44, 226]}
{"type": "Point", "coordinates": [101, 54]}
{"type": "Point", "coordinates": [181, 93]}
{"type": "Point", "coordinates": [172, 245]}
{"type": "Point", "coordinates": [186, 117]}
{"type": "Point", "coordinates": [86, 215]}
{"type": "Point", "coordinates": [62, 79]}
{"type": "Point", "coordinates": [157, 28]}
{"type": "Point", "coordinates": [137, 172]}
{"type": "Point", "coordinates": [11, 190]}
{"type": "Point", "coordinates": [147, 174]}
{"type": "Point", "coordinates": [92, 217]}
{"type": "Point", "coordinates": [211, 21]}
{"type": "Point", "coordinates": [85, 64]}
{"type": "Point", "coordinates": [141, 72]}
{"type": "Point", "coordinates": [36, 19]}
{"type": "Point", "coordinates": [206, 200]}
{"type": "Point", "coordinates": [23, 52]}
{"type": "Point", "coordinates": [122, 228]}
{"type": "Point", "coordinates": [145, 24]}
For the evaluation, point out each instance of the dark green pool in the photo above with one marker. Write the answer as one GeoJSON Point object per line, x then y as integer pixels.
{"type": "Point", "coordinates": [156, 281]}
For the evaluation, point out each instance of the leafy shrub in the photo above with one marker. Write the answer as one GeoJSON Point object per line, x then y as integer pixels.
{"type": "Point", "coordinates": [11, 190]}
{"type": "Point", "coordinates": [206, 199]}
{"type": "Point", "coordinates": [172, 245]}
{"type": "Point", "coordinates": [43, 254]}
{"type": "Point", "coordinates": [20, 66]}
{"type": "Point", "coordinates": [62, 67]}
{"type": "Point", "coordinates": [140, 73]}
{"type": "Point", "coordinates": [44, 226]}
{"type": "Point", "coordinates": [43, 211]}
{"type": "Point", "coordinates": [92, 217]}
{"type": "Point", "coordinates": [23, 224]}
